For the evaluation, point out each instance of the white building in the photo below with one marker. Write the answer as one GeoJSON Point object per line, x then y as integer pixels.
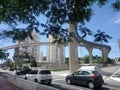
{"type": "Point", "coordinates": [32, 50]}
{"type": "Point", "coordinates": [55, 53]}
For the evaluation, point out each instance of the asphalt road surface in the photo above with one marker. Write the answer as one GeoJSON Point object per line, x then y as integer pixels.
{"type": "Point", "coordinates": [61, 84]}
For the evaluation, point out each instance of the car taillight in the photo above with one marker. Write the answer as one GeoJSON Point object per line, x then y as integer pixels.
{"type": "Point", "coordinates": [94, 76]}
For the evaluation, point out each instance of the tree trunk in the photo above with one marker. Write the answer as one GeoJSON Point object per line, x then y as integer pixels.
{"type": "Point", "coordinates": [73, 53]}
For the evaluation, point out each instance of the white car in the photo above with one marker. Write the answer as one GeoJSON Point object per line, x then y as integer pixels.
{"type": "Point", "coordinates": [93, 68]}
{"type": "Point", "coordinates": [40, 76]}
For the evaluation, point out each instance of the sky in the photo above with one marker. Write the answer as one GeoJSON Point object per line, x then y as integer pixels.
{"type": "Point", "coordinates": [104, 19]}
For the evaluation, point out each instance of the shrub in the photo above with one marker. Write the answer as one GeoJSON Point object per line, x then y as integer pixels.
{"type": "Point", "coordinates": [26, 67]}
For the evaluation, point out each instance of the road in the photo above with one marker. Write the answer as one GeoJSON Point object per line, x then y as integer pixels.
{"type": "Point", "coordinates": [59, 82]}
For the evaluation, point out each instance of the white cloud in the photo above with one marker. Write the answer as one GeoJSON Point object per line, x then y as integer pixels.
{"type": "Point", "coordinates": [113, 44]}
{"type": "Point", "coordinates": [116, 19]}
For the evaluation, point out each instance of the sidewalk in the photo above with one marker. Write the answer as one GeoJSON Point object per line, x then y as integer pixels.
{"type": "Point", "coordinates": [5, 85]}
{"type": "Point", "coordinates": [112, 73]}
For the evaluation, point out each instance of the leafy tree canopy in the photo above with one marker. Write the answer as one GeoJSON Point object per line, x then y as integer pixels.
{"type": "Point", "coordinates": [58, 12]}
{"type": "Point", "coordinates": [101, 37]}
{"type": "Point", "coordinates": [3, 55]}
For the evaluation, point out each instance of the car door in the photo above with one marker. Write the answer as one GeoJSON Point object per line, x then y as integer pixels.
{"type": "Point", "coordinates": [76, 77]}
{"type": "Point", "coordinates": [83, 77]}
{"type": "Point", "coordinates": [32, 75]}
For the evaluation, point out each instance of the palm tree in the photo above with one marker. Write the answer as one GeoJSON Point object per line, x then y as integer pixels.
{"type": "Point", "coordinates": [101, 37]}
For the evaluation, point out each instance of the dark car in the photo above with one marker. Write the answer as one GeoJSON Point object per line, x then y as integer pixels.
{"type": "Point", "coordinates": [24, 71]}
{"type": "Point", "coordinates": [83, 77]}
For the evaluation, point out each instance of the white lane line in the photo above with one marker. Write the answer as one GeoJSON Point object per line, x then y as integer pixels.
{"type": "Point", "coordinates": [71, 87]}
{"type": "Point", "coordinates": [57, 79]}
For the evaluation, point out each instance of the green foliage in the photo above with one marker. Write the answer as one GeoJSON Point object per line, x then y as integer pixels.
{"type": "Point", "coordinates": [33, 63]}
{"type": "Point", "coordinates": [96, 59]}
{"type": "Point", "coordinates": [110, 61]}
{"type": "Point", "coordinates": [10, 63]}
{"type": "Point", "coordinates": [84, 31]}
{"type": "Point", "coordinates": [20, 63]}
{"type": "Point", "coordinates": [67, 60]}
{"type": "Point", "coordinates": [101, 37]}
{"type": "Point", "coordinates": [86, 59]}
{"type": "Point", "coordinates": [13, 11]}
{"type": "Point", "coordinates": [119, 59]}
{"type": "Point", "coordinates": [57, 12]}
{"type": "Point", "coordinates": [18, 34]}
{"type": "Point", "coordinates": [25, 56]}
{"type": "Point", "coordinates": [3, 54]}
{"type": "Point", "coordinates": [26, 67]}
{"type": "Point", "coordinates": [116, 5]}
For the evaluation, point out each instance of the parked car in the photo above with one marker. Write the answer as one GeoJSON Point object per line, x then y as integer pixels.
{"type": "Point", "coordinates": [11, 69]}
{"type": "Point", "coordinates": [24, 71]}
{"type": "Point", "coordinates": [85, 77]}
{"type": "Point", "coordinates": [40, 76]}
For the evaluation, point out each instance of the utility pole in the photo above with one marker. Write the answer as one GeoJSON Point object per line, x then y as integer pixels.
{"type": "Point", "coordinates": [119, 43]}
{"type": "Point", "coordinates": [119, 46]}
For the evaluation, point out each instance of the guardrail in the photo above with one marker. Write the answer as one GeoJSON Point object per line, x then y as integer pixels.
{"type": "Point", "coordinates": [28, 85]}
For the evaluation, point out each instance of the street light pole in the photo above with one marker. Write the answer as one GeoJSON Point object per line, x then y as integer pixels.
{"type": "Point", "coordinates": [119, 44]}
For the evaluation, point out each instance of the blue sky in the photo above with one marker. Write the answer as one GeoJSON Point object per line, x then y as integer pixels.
{"type": "Point", "coordinates": [107, 20]}
{"type": "Point", "coordinates": [104, 19]}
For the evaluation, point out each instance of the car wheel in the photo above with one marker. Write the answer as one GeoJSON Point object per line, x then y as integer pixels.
{"type": "Point", "coordinates": [91, 85]}
{"type": "Point", "coordinates": [68, 81]}
{"type": "Point", "coordinates": [36, 80]}
{"type": "Point", "coordinates": [99, 86]}
{"type": "Point", "coordinates": [49, 83]}
{"type": "Point", "coordinates": [25, 78]}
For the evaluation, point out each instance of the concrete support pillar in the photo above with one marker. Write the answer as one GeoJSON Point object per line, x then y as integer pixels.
{"type": "Point", "coordinates": [90, 54]}
{"type": "Point", "coordinates": [105, 55]}
{"type": "Point", "coordinates": [73, 60]}
{"type": "Point", "coordinates": [60, 56]}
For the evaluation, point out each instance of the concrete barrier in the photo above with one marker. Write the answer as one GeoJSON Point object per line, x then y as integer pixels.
{"type": "Point", "coordinates": [28, 85]}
